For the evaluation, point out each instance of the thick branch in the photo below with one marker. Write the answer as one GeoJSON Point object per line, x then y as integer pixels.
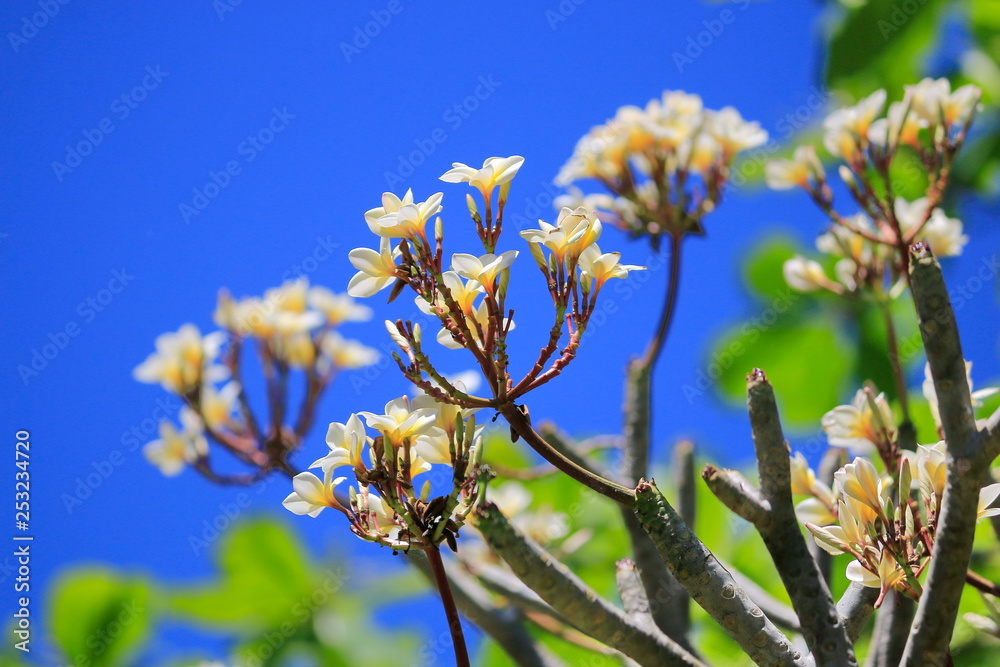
{"type": "Point", "coordinates": [710, 584]}
{"type": "Point", "coordinates": [568, 595]}
{"type": "Point", "coordinates": [968, 454]}
{"type": "Point", "coordinates": [811, 598]}
{"type": "Point", "coordinates": [855, 608]}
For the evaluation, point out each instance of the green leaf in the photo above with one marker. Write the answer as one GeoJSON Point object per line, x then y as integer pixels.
{"type": "Point", "coordinates": [264, 578]}
{"type": "Point", "coordinates": [806, 361]}
{"type": "Point", "coordinates": [763, 271]}
{"type": "Point", "coordinates": [882, 44]}
{"type": "Point", "coordinates": [98, 616]}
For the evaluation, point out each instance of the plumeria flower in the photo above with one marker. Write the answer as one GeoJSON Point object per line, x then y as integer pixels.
{"type": "Point", "coordinates": [401, 421]}
{"type": "Point", "coordinates": [496, 171]}
{"type": "Point", "coordinates": [218, 405]}
{"type": "Point", "coordinates": [804, 481]}
{"type": "Point", "coordinates": [814, 511]}
{"type": "Point", "coordinates": [312, 495]}
{"type": "Point", "coordinates": [857, 427]}
{"type": "Point", "coordinates": [930, 469]}
{"type": "Point", "coordinates": [933, 101]}
{"type": "Point", "coordinates": [987, 496]}
{"type": "Point", "coordinates": [175, 449]}
{"type": "Point", "coordinates": [484, 269]}
{"type": "Point", "coordinates": [931, 395]}
{"type": "Point", "coordinates": [599, 267]}
{"type": "Point", "coordinates": [847, 128]}
{"type": "Point", "coordinates": [290, 296]}
{"type": "Point", "coordinates": [787, 174]}
{"type": "Point", "coordinates": [337, 308]}
{"type": "Point", "coordinates": [900, 126]}
{"type": "Point", "coordinates": [434, 448]}
{"type": "Point", "coordinates": [859, 480]}
{"type": "Point", "coordinates": [346, 442]}
{"type": "Point", "coordinates": [943, 234]}
{"type": "Point", "coordinates": [575, 231]}
{"type": "Point", "coordinates": [376, 270]}
{"type": "Point", "coordinates": [804, 275]}
{"type": "Point", "coordinates": [183, 360]}
{"type": "Point", "coordinates": [887, 572]}
{"type": "Point", "coordinates": [402, 218]}
{"type": "Point", "coordinates": [347, 353]}
{"type": "Point", "coordinates": [733, 133]}
{"type": "Point", "coordinates": [464, 293]}
{"type": "Point", "coordinates": [699, 154]}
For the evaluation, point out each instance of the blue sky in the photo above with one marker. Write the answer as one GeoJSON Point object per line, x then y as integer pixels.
{"type": "Point", "coordinates": [120, 117]}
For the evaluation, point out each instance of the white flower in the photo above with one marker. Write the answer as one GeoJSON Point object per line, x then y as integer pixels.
{"type": "Point", "coordinates": [987, 496]}
{"type": "Point", "coordinates": [183, 360]}
{"type": "Point", "coordinates": [337, 308]}
{"type": "Point", "coordinates": [218, 406]}
{"type": "Point", "coordinates": [376, 270]}
{"type": "Point", "coordinates": [347, 353]}
{"type": "Point", "coordinates": [933, 101]}
{"type": "Point", "coordinates": [786, 174]}
{"type": "Point", "coordinates": [931, 468]}
{"type": "Point", "coordinates": [176, 448]}
{"type": "Point", "coordinates": [575, 230]}
{"type": "Point", "coordinates": [346, 442]}
{"type": "Point", "coordinates": [312, 495]}
{"type": "Point", "coordinates": [847, 128]}
{"type": "Point", "coordinates": [495, 171]}
{"type": "Point", "coordinates": [856, 426]}
{"type": "Point", "coordinates": [600, 267]}
{"type": "Point", "coordinates": [860, 481]}
{"type": "Point", "coordinates": [733, 133]}
{"type": "Point", "coordinates": [804, 275]}
{"type": "Point", "coordinates": [484, 269]}
{"type": "Point", "coordinates": [943, 234]}
{"type": "Point", "coordinates": [402, 421]}
{"type": "Point", "coordinates": [814, 511]}
{"type": "Point", "coordinates": [900, 126]}
{"type": "Point", "coordinates": [804, 482]}
{"type": "Point", "coordinates": [888, 572]}
{"type": "Point", "coordinates": [402, 218]}
{"type": "Point", "coordinates": [383, 516]}
{"type": "Point", "coordinates": [931, 395]}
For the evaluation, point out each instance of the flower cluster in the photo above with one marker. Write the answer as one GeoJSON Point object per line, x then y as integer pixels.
{"type": "Point", "coordinates": [929, 125]}
{"type": "Point", "coordinates": [293, 327]}
{"type": "Point", "coordinates": [412, 437]}
{"type": "Point", "coordinates": [468, 296]}
{"type": "Point", "coordinates": [665, 165]}
{"type": "Point", "coordinates": [887, 527]}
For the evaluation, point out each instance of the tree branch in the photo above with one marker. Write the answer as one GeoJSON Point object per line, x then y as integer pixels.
{"type": "Point", "coordinates": [710, 584]}
{"type": "Point", "coordinates": [969, 453]}
{"type": "Point", "coordinates": [855, 608]}
{"type": "Point", "coordinates": [503, 625]}
{"type": "Point", "coordinates": [811, 598]}
{"type": "Point", "coordinates": [568, 595]}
